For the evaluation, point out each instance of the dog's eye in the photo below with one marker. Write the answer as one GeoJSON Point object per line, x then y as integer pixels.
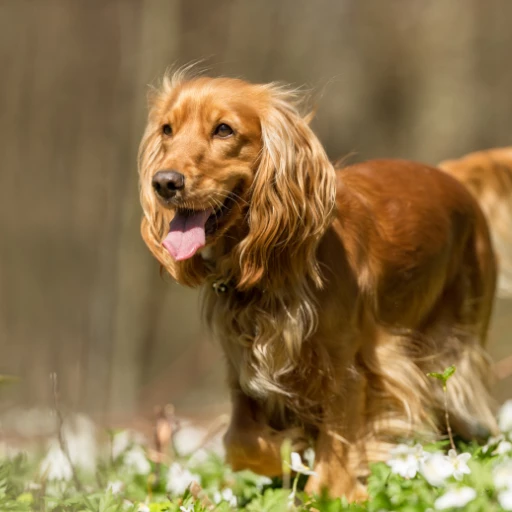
{"type": "Point", "coordinates": [223, 131]}
{"type": "Point", "coordinates": [166, 129]}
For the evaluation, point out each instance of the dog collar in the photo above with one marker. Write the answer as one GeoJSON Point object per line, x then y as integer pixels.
{"type": "Point", "coordinates": [220, 287]}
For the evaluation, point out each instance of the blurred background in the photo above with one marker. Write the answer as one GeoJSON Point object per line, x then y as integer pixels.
{"type": "Point", "coordinates": [80, 294]}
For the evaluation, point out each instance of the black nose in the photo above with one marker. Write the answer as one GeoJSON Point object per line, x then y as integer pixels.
{"type": "Point", "coordinates": [167, 183]}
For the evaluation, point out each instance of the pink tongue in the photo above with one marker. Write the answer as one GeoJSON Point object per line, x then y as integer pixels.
{"type": "Point", "coordinates": [186, 234]}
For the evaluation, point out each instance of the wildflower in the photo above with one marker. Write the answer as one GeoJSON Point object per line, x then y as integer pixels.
{"type": "Point", "coordinates": [136, 461]}
{"type": "Point", "coordinates": [225, 495]}
{"type": "Point", "coordinates": [502, 475]}
{"type": "Point", "coordinates": [56, 466]}
{"type": "Point", "coordinates": [298, 466]}
{"type": "Point", "coordinates": [492, 441]}
{"type": "Point", "coordinates": [503, 448]}
{"type": "Point", "coordinates": [115, 487]}
{"type": "Point", "coordinates": [455, 498]}
{"type": "Point", "coordinates": [124, 440]}
{"type": "Point", "coordinates": [435, 468]}
{"type": "Point", "coordinates": [309, 456]}
{"type": "Point", "coordinates": [143, 508]}
{"type": "Point", "coordinates": [262, 481]}
{"type": "Point", "coordinates": [459, 464]}
{"type": "Point", "coordinates": [199, 457]}
{"type": "Point", "coordinates": [405, 460]}
{"type": "Point", "coordinates": [80, 437]}
{"type": "Point", "coordinates": [505, 417]}
{"type": "Point", "coordinates": [505, 499]}
{"type": "Point", "coordinates": [120, 443]}
{"type": "Point", "coordinates": [179, 478]}
{"type": "Point", "coordinates": [189, 438]}
{"type": "Point", "coordinates": [189, 508]}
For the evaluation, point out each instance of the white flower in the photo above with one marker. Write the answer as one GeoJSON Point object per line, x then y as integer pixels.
{"type": "Point", "coordinates": [189, 438]}
{"type": "Point", "coordinates": [435, 468]}
{"type": "Point", "coordinates": [125, 439]}
{"type": "Point", "coordinates": [405, 460]}
{"type": "Point", "coordinates": [190, 508]}
{"type": "Point", "coordinates": [179, 478]}
{"type": "Point", "coordinates": [198, 458]}
{"type": "Point", "coordinates": [225, 495]}
{"type": "Point", "coordinates": [505, 499]}
{"type": "Point", "coordinates": [505, 417]}
{"type": "Point", "coordinates": [455, 498]}
{"type": "Point", "coordinates": [120, 443]}
{"type": "Point", "coordinates": [80, 437]}
{"type": "Point", "coordinates": [143, 508]}
{"type": "Point", "coordinates": [115, 487]}
{"type": "Point", "coordinates": [459, 464]}
{"type": "Point", "coordinates": [502, 475]}
{"type": "Point", "coordinates": [503, 448]}
{"type": "Point", "coordinates": [492, 441]}
{"type": "Point", "coordinates": [262, 481]}
{"type": "Point", "coordinates": [136, 461]}
{"type": "Point", "coordinates": [56, 466]}
{"type": "Point", "coordinates": [309, 457]}
{"type": "Point", "coordinates": [298, 466]}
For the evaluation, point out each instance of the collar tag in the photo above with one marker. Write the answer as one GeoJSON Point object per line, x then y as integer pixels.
{"type": "Point", "coordinates": [220, 287]}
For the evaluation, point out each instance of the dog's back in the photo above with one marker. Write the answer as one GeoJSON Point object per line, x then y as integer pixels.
{"type": "Point", "coordinates": [488, 176]}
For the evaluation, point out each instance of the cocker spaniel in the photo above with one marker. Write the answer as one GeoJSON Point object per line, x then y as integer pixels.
{"type": "Point", "coordinates": [332, 291]}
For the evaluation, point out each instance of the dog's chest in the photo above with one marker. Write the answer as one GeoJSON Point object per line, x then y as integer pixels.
{"type": "Point", "coordinates": [252, 342]}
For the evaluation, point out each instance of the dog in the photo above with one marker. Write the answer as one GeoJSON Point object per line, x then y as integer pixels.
{"type": "Point", "coordinates": [333, 292]}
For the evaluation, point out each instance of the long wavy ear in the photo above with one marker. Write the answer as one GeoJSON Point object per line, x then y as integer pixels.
{"type": "Point", "coordinates": [155, 223]}
{"type": "Point", "coordinates": [292, 200]}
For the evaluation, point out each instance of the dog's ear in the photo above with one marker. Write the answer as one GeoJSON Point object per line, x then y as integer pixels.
{"type": "Point", "coordinates": [292, 201]}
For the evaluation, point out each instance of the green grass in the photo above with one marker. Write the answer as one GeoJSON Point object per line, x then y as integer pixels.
{"type": "Point", "coordinates": [129, 481]}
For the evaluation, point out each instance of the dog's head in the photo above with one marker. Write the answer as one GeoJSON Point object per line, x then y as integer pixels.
{"type": "Point", "coordinates": [223, 160]}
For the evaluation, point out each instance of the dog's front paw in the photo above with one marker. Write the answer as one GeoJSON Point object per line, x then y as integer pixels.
{"type": "Point", "coordinates": [259, 449]}
{"type": "Point", "coordinates": [336, 484]}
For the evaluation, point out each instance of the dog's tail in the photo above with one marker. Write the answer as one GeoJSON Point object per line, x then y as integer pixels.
{"type": "Point", "coordinates": [488, 176]}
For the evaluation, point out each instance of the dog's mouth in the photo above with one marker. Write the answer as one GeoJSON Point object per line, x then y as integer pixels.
{"type": "Point", "coordinates": [190, 228]}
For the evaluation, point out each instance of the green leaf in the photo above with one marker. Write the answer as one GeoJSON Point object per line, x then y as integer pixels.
{"type": "Point", "coordinates": [448, 372]}
{"type": "Point", "coordinates": [443, 377]}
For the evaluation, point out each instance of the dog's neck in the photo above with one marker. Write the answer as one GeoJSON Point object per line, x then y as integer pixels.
{"type": "Point", "coordinates": [217, 259]}
{"type": "Point", "coordinates": [220, 284]}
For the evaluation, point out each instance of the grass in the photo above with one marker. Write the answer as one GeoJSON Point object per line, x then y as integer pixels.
{"type": "Point", "coordinates": [123, 475]}
{"type": "Point", "coordinates": [76, 473]}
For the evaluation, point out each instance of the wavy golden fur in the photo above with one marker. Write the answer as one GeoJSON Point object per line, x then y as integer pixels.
{"type": "Point", "coordinates": [332, 292]}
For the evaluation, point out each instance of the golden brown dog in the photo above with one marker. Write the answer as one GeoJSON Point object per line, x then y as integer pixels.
{"type": "Point", "coordinates": [332, 292]}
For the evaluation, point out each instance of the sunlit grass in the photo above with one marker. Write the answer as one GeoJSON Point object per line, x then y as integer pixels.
{"type": "Point", "coordinates": [74, 472]}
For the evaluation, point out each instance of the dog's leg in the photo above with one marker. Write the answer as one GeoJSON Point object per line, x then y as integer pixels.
{"type": "Point", "coordinates": [339, 449]}
{"type": "Point", "coordinates": [251, 443]}
{"type": "Point", "coordinates": [335, 468]}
